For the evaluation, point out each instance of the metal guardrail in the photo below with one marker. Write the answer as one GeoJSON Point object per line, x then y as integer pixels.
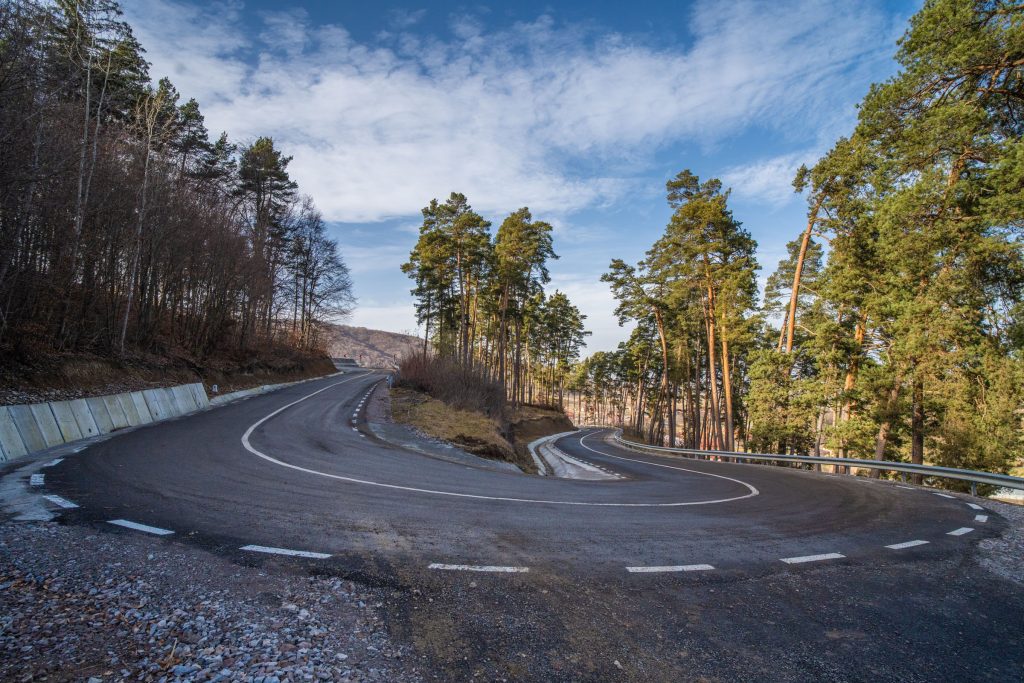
{"type": "Point", "coordinates": [972, 476]}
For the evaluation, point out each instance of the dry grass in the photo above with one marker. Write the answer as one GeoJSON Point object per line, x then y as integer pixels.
{"type": "Point", "coordinates": [469, 430]}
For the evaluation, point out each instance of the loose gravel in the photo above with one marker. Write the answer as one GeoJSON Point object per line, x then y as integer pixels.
{"type": "Point", "coordinates": [1004, 555]}
{"type": "Point", "coordinates": [80, 605]}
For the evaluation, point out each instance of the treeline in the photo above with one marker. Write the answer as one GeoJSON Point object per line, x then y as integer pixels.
{"type": "Point", "coordinates": [482, 302]}
{"type": "Point", "coordinates": [894, 329]}
{"type": "Point", "coordinates": [122, 224]}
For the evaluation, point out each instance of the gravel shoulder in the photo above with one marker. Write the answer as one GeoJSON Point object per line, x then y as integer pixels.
{"type": "Point", "coordinates": [1004, 555]}
{"type": "Point", "coordinates": [76, 604]}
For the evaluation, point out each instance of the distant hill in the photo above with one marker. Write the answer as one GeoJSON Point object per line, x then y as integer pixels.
{"type": "Point", "coordinates": [368, 347]}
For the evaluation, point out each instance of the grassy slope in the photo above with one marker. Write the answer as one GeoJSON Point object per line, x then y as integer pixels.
{"type": "Point", "coordinates": [473, 431]}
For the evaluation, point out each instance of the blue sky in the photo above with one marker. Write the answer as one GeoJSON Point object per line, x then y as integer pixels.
{"type": "Point", "coordinates": [579, 110]}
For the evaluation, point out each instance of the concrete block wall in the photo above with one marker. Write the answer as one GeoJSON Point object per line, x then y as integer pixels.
{"type": "Point", "coordinates": [25, 429]}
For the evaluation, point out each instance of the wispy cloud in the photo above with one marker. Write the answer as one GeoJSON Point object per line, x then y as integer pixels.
{"type": "Point", "coordinates": [768, 180]}
{"type": "Point", "coordinates": [506, 116]}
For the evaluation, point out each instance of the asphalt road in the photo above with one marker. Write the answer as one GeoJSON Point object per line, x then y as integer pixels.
{"type": "Point", "coordinates": [680, 570]}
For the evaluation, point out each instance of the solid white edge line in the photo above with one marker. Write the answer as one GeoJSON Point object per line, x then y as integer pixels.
{"type": "Point", "coordinates": [981, 518]}
{"type": "Point", "coordinates": [960, 532]}
{"type": "Point", "coordinates": [670, 568]}
{"type": "Point", "coordinates": [56, 461]}
{"type": "Point", "coordinates": [141, 527]}
{"type": "Point", "coordinates": [252, 449]}
{"type": "Point", "coordinates": [813, 558]}
{"type": "Point", "coordinates": [284, 551]}
{"type": "Point", "coordinates": [60, 502]}
{"type": "Point", "coordinates": [478, 568]}
{"type": "Point", "coordinates": [753, 491]}
{"type": "Point", "coordinates": [37, 480]}
{"type": "Point", "coordinates": [974, 506]}
{"type": "Point", "coordinates": [906, 544]}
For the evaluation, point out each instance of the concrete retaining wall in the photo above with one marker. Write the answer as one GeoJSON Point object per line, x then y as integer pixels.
{"type": "Point", "coordinates": [26, 429]}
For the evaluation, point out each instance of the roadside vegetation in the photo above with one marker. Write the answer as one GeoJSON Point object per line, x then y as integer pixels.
{"type": "Point", "coordinates": [893, 329]}
{"type": "Point", "coordinates": [481, 300]}
{"type": "Point", "coordinates": [463, 406]}
{"type": "Point", "coordinates": [497, 349]}
{"type": "Point", "coordinates": [126, 232]}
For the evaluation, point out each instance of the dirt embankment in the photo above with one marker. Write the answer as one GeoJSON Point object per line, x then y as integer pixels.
{"type": "Point", "coordinates": [40, 377]}
{"type": "Point", "coordinates": [475, 432]}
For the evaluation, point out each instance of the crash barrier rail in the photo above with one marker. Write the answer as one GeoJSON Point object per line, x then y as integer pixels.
{"type": "Point", "coordinates": [904, 468]}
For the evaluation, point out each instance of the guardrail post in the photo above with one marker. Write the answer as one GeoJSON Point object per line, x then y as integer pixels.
{"type": "Point", "coordinates": [974, 488]}
{"type": "Point", "coordinates": [903, 477]}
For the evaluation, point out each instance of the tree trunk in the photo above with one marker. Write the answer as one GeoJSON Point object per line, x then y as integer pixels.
{"type": "Point", "coordinates": [917, 429]}
{"type": "Point", "coordinates": [794, 295]}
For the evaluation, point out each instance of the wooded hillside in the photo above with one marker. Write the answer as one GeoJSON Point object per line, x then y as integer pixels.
{"type": "Point", "coordinates": [370, 348]}
{"type": "Point", "coordinates": [123, 225]}
{"type": "Point", "coordinates": [894, 329]}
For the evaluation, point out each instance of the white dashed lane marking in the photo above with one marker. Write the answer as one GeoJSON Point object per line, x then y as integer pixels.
{"type": "Point", "coordinates": [813, 558]}
{"type": "Point", "coordinates": [981, 518]}
{"type": "Point", "coordinates": [61, 502]}
{"type": "Point", "coordinates": [54, 462]}
{"type": "Point", "coordinates": [943, 495]}
{"type": "Point", "coordinates": [974, 506]}
{"type": "Point", "coordinates": [284, 551]}
{"type": "Point", "coordinates": [670, 568]}
{"type": "Point", "coordinates": [907, 544]}
{"type": "Point", "coordinates": [479, 568]}
{"type": "Point", "coordinates": [961, 531]}
{"type": "Point", "coordinates": [37, 480]}
{"type": "Point", "coordinates": [155, 530]}
{"type": "Point", "coordinates": [908, 488]}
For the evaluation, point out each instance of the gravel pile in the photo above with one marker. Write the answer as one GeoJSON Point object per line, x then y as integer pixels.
{"type": "Point", "coordinates": [77, 605]}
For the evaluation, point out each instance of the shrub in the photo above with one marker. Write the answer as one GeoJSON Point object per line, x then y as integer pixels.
{"type": "Point", "coordinates": [448, 381]}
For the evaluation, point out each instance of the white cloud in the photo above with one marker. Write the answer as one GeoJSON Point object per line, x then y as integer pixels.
{"type": "Point", "coordinates": [507, 116]}
{"type": "Point", "coordinates": [392, 318]}
{"type": "Point", "coordinates": [364, 258]}
{"type": "Point", "coordinates": [595, 300]}
{"type": "Point", "coordinates": [768, 180]}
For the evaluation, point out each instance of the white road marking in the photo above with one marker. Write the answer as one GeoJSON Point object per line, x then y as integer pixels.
{"type": "Point", "coordinates": [670, 568]}
{"type": "Point", "coordinates": [753, 491]}
{"type": "Point", "coordinates": [61, 502]}
{"type": "Point", "coordinates": [284, 551]}
{"type": "Point", "coordinates": [961, 531]}
{"type": "Point", "coordinates": [57, 461]}
{"type": "Point", "coordinates": [37, 480]}
{"type": "Point", "coordinates": [813, 558]}
{"type": "Point", "coordinates": [141, 527]}
{"type": "Point", "coordinates": [981, 518]}
{"type": "Point", "coordinates": [252, 449]}
{"type": "Point", "coordinates": [909, 488]}
{"type": "Point", "coordinates": [908, 544]}
{"type": "Point", "coordinates": [479, 568]}
{"type": "Point", "coordinates": [942, 495]}
{"type": "Point", "coordinates": [974, 506]}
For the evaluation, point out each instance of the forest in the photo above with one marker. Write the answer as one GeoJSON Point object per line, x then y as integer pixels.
{"type": "Point", "coordinates": [894, 329]}
{"type": "Point", "coordinates": [123, 225]}
{"type": "Point", "coordinates": [481, 300]}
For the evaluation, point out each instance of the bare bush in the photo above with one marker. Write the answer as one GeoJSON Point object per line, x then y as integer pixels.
{"type": "Point", "coordinates": [467, 388]}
